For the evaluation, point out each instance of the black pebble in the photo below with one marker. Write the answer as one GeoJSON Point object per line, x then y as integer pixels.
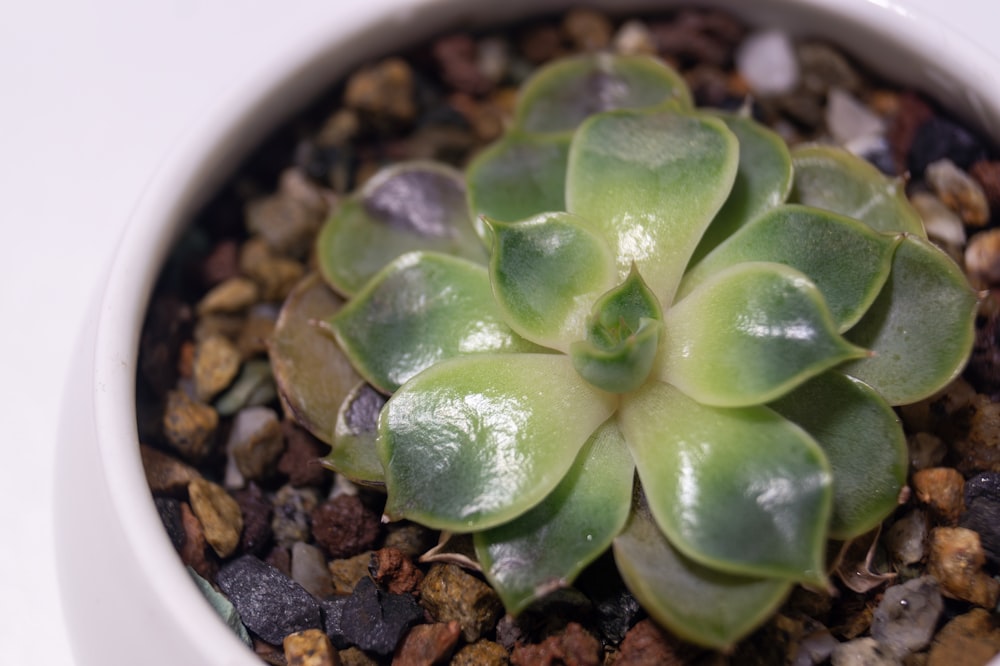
{"type": "Point", "coordinates": [375, 621]}
{"type": "Point", "coordinates": [982, 514]}
{"type": "Point", "coordinates": [333, 612]}
{"type": "Point", "coordinates": [939, 138]}
{"type": "Point", "coordinates": [271, 604]}
{"type": "Point", "coordinates": [170, 515]}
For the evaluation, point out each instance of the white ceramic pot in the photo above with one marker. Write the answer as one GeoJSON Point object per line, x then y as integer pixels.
{"type": "Point", "coordinates": [123, 585]}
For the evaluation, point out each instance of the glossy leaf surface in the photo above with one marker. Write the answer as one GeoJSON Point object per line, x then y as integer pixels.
{"type": "Point", "coordinates": [406, 207]}
{"type": "Point", "coordinates": [312, 374]}
{"type": "Point", "coordinates": [701, 605]}
{"type": "Point", "coordinates": [740, 490]}
{"type": "Point", "coordinates": [920, 327]}
{"type": "Point", "coordinates": [763, 180]}
{"type": "Point", "coordinates": [546, 273]}
{"type": "Point", "coordinates": [814, 242]}
{"type": "Point", "coordinates": [476, 441]}
{"type": "Point", "coordinates": [833, 179]}
{"type": "Point", "coordinates": [545, 548]}
{"type": "Point", "coordinates": [748, 335]}
{"type": "Point", "coordinates": [353, 451]}
{"type": "Point", "coordinates": [863, 440]}
{"type": "Point", "coordinates": [422, 308]}
{"type": "Point", "coordinates": [563, 95]}
{"type": "Point", "coordinates": [652, 182]}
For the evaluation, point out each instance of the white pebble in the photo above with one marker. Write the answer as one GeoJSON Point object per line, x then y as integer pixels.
{"type": "Point", "coordinates": [851, 123]}
{"type": "Point", "coordinates": [941, 222]}
{"type": "Point", "coordinates": [767, 61]}
{"type": "Point", "coordinates": [634, 38]}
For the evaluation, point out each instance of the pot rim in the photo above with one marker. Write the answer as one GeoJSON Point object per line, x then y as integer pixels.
{"type": "Point", "coordinates": [962, 73]}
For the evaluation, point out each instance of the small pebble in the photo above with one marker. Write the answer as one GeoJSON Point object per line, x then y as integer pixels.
{"type": "Point", "coordinates": [575, 646]}
{"type": "Point", "coordinates": [309, 648]}
{"type": "Point", "coordinates": [254, 386]}
{"type": "Point", "coordinates": [219, 514]}
{"type": "Point", "coordinates": [587, 29]}
{"type": "Point", "coordinates": [959, 191]}
{"type": "Point", "coordinates": [189, 425]}
{"type": "Point", "coordinates": [257, 330]}
{"type": "Point", "coordinates": [333, 611]}
{"type": "Point", "coordinates": [194, 548]}
{"type": "Point", "coordinates": [216, 363]}
{"type": "Point", "coordinates": [982, 256]}
{"type": "Point", "coordinates": [449, 593]}
{"type": "Point", "coordinates": [987, 174]}
{"type": "Point", "coordinates": [256, 441]}
{"type": "Point", "coordinates": [905, 619]}
{"type": "Point", "coordinates": [222, 606]}
{"type": "Point", "coordinates": [352, 656]}
{"type": "Point", "coordinates": [375, 621]}
{"type": "Point", "coordinates": [256, 510]}
{"type": "Point", "coordinates": [824, 68]}
{"type": "Point", "coordinates": [852, 124]}
{"type": "Point", "coordinates": [394, 571]}
{"type": "Point", "coordinates": [767, 61]}
{"type": "Point", "coordinates": [906, 538]}
{"type": "Point", "coordinates": [942, 223]}
{"type": "Point", "coordinates": [646, 643]}
{"type": "Point", "coordinates": [912, 112]}
{"type": "Point", "coordinates": [862, 652]}
{"type": "Point", "coordinates": [634, 38]}
{"type": "Point", "coordinates": [982, 497]}
{"type": "Point", "coordinates": [493, 58]}
{"type": "Point", "coordinates": [346, 572]}
{"type": "Point", "coordinates": [290, 521]}
{"type": "Point", "coordinates": [270, 603]}
{"type": "Point", "coordinates": [289, 219]}
{"type": "Point", "coordinates": [221, 264]}
{"type": "Point", "coordinates": [457, 59]}
{"type": "Point", "coordinates": [169, 510]}
{"type": "Point", "coordinates": [940, 138]}
{"type": "Point", "coordinates": [980, 451]}
{"type": "Point", "coordinates": [309, 569]}
{"type": "Point", "coordinates": [409, 538]}
{"type": "Point", "coordinates": [383, 92]}
{"type": "Point", "coordinates": [942, 489]}
{"type": "Point", "coordinates": [427, 644]}
{"type": "Point", "coordinates": [926, 450]}
{"type": "Point", "coordinates": [235, 294]}
{"type": "Point", "coordinates": [971, 639]}
{"type": "Point", "coordinates": [344, 526]}
{"type": "Point", "coordinates": [301, 460]}
{"type": "Point", "coordinates": [165, 474]}
{"type": "Point", "coordinates": [275, 275]}
{"type": "Point", "coordinates": [696, 35]}
{"type": "Point", "coordinates": [956, 561]}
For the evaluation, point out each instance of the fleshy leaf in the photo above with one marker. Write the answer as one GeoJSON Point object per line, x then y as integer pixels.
{"type": "Point", "coordinates": [741, 490]}
{"type": "Point", "coordinates": [546, 273]}
{"type": "Point", "coordinates": [312, 374]}
{"type": "Point", "coordinates": [749, 334]}
{"type": "Point", "coordinates": [545, 548]}
{"type": "Point", "coordinates": [863, 440]}
{"type": "Point", "coordinates": [420, 309]}
{"type": "Point", "coordinates": [561, 96]}
{"type": "Point", "coordinates": [816, 243]}
{"type": "Point", "coordinates": [763, 179]}
{"type": "Point", "coordinates": [353, 451]}
{"type": "Point", "coordinates": [833, 179]}
{"type": "Point", "coordinates": [652, 182]}
{"type": "Point", "coordinates": [476, 441]}
{"type": "Point", "coordinates": [698, 604]}
{"type": "Point", "coordinates": [920, 327]}
{"type": "Point", "coordinates": [623, 367]}
{"type": "Point", "coordinates": [403, 208]}
{"type": "Point", "coordinates": [519, 176]}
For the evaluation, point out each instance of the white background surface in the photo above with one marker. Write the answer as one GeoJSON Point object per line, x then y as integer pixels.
{"type": "Point", "coordinates": [92, 95]}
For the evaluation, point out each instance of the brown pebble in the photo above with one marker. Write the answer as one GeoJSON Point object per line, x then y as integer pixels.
{"type": "Point", "coordinates": [256, 441]}
{"type": "Point", "coordinates": [185, 359]}
{"type": "Point", "coordinates": [342, 126]}
{"type": "Point", "coordinates": [344, 526]}
{"type": "Point", "coordinates": [588, 30]}
{"type": "Point", "coordinates": [269, 654]}
{"type": "Point", "coordinates": [234, 295]}
{"type": "Point", "coordinates": [346, 572]}
{"type": "Point", "coordinates": [219, 514]}
{"type": "Point", "coordinates": [698, 36]}
{"type": "Point", "coordinates": [449, 593]}
{"type": "Point", "coordinates": [225, 324]}
{"type": "Point", "coordinates": [541, 43]}
{"type": "Point", "coordinates": [980, 451]}
{"type": "Point", "coordinates": [942, 489]}
{"type": "Point", "coordinates": [221, 263]}
{"type": "Point", "coordinates": [971, 639]}
{"type": "Point", "coordinates": [913, 112]}
{"type": "Point", "coordinates": [194, 551]}
{"type": "Point", "coordinates": [288, 219]}
{"type": "Point", "coordinates": [216, 364]}
{"type": "Point", "coordinates": [189, 425]}
{"type": "Point", "coordinates": [394, 571]}
{"type": "Point", "coordinates": [956, 560]}
{"type": "Point", "coordinates": [481, 653]}
{"type": "Point", "coordinates": [427, 644]}
{"type": "Point", "coordinates": [385, 91]}
{"type": "Point", "coordinates": [959, 191]}
{"type": "Point", "coordinates": [646, 643]}
{"type": "Point", "coordinates": [355, 657]}
{"type": "Point", "coordinates": [309, 648]}
{"type": "Point", "coordinates": [301, 459]}
{"type": "Point", "coordinates": [254, 336]}
{"type": "Point", "coordinates": [166, 474]}
{"type": "Point", "coordinates": [987, 174]}
{"type": "Point", "coordinates": [256, 511]}
{"type": "Point", "coordinates": [574, 645]}
{"type": "Point", "coordinates": [275, 275]}
{"type": "Point", "coordinates": [982, 257]}
{"type": "Point", "coordinates": [456, 58]}
{"type": "Point", "coordinates": [280, 557]}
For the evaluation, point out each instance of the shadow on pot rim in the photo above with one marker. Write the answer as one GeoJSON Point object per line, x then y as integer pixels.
{"type": "Point", "coordinates": [141, 594]}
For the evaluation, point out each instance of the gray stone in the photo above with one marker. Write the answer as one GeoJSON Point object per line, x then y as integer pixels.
{"type": "Point", "coordinates": [862, 652]}
{"type": "Point", "coordinates": [309, 569]}
{"type": "Point", "coordinates": [905, 619]}
{"type": "Point", "coordinates": [375, 621]}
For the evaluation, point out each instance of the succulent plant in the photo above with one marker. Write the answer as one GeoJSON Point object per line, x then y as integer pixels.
{"type": "Point", "coordinates": [629, 324]}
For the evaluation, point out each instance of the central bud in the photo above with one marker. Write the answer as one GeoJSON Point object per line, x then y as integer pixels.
{"type": "Point", "coordinates": [623, 331]}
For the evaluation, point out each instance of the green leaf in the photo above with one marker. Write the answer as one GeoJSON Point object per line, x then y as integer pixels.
{"type": "Point", "coordinates": [476, 441]}
{"type": "Point", "coordinates": [546, 273]}
{"type": "Point", "coordinates": [547, 547]}
{"type": "Point", "coordinates": [312, 374]}
{"type": "Point", "coordinates": [623, 367]}
{"type": "Point", "coordinates": [739, 490]}
{"type": "Point", "coordinates": [353, 451]}
{"type": "Point", "coordinates": [749, 334]}
{"type": "Point", "coordinates": [763, 179]}
{"type": "Point", "coordinates": [420, 309]}
{"type": "Point", "coordinates": [652, 182]}
{"type": "Point", "coordinates": [562, 95]}
{"type": "Point", "coordinates": [518, 177]}
{"type": "Point", "coordinates": [833, 179]}
{"type": "Point", "coordinates": [700, 605]}
{"type": "Point", "coordinates": [844, 258]}
{"type": "Point", "coordinates": [404, 207]}
{"type": "Point", "coordinates": [863, 440]}
{"type": "Point", "coordinates": [920, 328]}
